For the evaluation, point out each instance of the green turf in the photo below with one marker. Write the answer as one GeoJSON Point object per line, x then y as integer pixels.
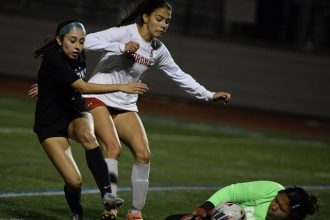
{"type": "Point", "coordinates": [183, 154]}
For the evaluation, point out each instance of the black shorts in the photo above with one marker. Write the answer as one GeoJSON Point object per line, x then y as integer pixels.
{"type": "Point", "coordinates": [57, 128]}
{"type": "Point", "coordinates": [43, 135]}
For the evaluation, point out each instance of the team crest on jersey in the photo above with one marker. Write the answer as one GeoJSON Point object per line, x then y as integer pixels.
{"type": "Point", "coordinates": [81, 72]}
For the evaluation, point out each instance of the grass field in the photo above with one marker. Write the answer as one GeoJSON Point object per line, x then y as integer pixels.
{"type": "Point", "coordinates": [189, 162]}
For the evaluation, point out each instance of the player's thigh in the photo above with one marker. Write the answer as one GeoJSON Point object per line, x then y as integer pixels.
{"type": "Point", "coordinates": [81, 130]}
{"type": "Point", "coordinates": [59, 152]}
{"type": "Point", "coordinates": [131, 131]}
{"type": "Point", "coordinates": [105, 130]}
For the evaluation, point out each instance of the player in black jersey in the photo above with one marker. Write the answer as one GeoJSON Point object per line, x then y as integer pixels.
{"type": "Point", "coordinates": [61, 114]}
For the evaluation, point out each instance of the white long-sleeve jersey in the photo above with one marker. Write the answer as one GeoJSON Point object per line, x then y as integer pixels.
{"type": "Point", "coordinates": [116, 67]}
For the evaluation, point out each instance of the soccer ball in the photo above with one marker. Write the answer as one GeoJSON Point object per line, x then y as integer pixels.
{"type": "Point", "coordinates": [228, 211]}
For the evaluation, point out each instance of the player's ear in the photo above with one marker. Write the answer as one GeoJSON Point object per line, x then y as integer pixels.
{"type": "Point", "coordinates": [145, 18]}
{"type": "Point", "coordinates": [59, 40]}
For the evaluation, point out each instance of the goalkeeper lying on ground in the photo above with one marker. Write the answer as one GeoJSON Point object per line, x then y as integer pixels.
{"type": "Point", "coordinates": [261, 200]}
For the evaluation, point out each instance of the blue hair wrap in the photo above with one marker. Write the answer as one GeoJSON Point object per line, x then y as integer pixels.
{"type": "Point", "coordinates": [67, 28]}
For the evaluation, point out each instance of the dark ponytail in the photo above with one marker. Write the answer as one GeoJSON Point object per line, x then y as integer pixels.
{"type": "Point", "coordinates": [314, 205]}
{"type": "Point", "coordinates": [144, 7]}
{"type": "Point", "coordinates": [50, 42]}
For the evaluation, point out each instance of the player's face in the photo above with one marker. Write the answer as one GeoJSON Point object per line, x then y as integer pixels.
{"type": "Point", "coordinates": [72, 43]}
{"type": "Point", "coordinates": [279, 208]}
{"type": "Point", "coordinates": [158, 22]}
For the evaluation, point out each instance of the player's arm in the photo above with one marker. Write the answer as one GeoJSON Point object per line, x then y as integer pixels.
{"type": "Point", "coordinates": [243, 192]}
{"type": "Point", "coordinates": [88, 88]}
{"type": "Point", "coordinates": [186, 81]}
{"type": "Point", "coordinates": [93, 88]}
{"type": "Point", "coordinates": [106, 40]}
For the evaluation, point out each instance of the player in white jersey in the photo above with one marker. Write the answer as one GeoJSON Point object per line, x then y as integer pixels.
{"type": "Point", "coordinates": [128, 51]}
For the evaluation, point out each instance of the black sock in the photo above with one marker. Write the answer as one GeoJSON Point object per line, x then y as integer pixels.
{"type": "Point", "coordinates": [99, 169]}
{"type": "Point", "coordinates": [72, 196]}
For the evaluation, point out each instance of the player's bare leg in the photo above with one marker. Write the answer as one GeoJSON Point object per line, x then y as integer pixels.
{"type": "Point", "coordinates": [131, 131]}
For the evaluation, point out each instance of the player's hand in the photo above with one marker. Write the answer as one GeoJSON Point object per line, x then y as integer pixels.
{"type": "Point", "coordinates": [187, 217]}
{"type": "Point", "coordinates": [131, 47]}
{"type": "Point", "coordinates": [222, 96]}
{"type": "Point", "coordinates": [191, 217]}
{"type": "Point", "coordinates": [33, 91]}
{"type": "Point", "coordinates": [134, 88]}
{"type": "Point", "coordinates": [199, 214]}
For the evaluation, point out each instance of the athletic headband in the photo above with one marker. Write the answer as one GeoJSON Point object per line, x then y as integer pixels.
{"type": "Point", "coordinates": [68, 27]}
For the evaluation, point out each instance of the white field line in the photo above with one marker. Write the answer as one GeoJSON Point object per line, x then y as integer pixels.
{"type": "Point", "coordinates": [15, 130]}
{"type": "Point", "coordinates": [166, 138]}
{"type": "Point", "coordinates": [127, 189]}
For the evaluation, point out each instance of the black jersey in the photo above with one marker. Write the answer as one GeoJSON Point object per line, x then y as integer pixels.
{"type": "Point", "coordinates": [58, 103]}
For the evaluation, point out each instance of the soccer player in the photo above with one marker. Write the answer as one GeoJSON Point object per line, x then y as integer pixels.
{"type": "Point", "coordinates": [128, 51]}
{"type": "Point", "coordinates": [261, 200]}
{"type": "Point", "coordinates": [61, 114]}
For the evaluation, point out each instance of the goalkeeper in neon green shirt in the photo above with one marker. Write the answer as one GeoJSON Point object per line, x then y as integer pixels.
{"type": "Point", "coordinates": [261, 200]}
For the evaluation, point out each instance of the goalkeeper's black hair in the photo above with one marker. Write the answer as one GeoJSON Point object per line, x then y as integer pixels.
{"type": "Point", "coordinates": [144, 7]}
{"type": "Point", "coordinates": [301, 203]}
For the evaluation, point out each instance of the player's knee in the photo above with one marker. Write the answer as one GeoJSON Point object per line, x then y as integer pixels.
{"type": "Point", "coordinates": [74, 182]}
{"type": "Point", "coordinates": [143, 157]}
{"type": "Point", "coordinates": [87, 137]}
{"type": "Point", "coordinates": [112, 149]}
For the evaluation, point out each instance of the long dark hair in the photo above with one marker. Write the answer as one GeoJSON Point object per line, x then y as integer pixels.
{"type": "Point", "coordinates": [144, 7]}
{"type": "Point", "coordinates": [50, 42]}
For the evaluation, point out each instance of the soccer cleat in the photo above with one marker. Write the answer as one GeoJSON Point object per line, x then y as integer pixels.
{"type": "Point", "coordinates": [109, 215]}
{"type": "Point", "coordinates": [112, 202]}
{"type": "Point", "coordinates": [135, 216]}
{"type": "Point", "coordinates": [75, 216]}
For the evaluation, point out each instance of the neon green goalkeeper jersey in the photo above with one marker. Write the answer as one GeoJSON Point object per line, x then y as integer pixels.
{"type": "Point", "coordinates": [255, 197]}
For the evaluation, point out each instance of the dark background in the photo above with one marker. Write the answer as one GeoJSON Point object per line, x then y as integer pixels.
{"type": "Point", "coordinates": [272, 55]}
